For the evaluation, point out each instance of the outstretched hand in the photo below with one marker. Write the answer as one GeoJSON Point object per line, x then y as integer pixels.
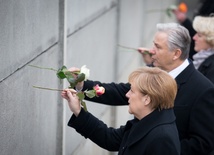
{"type": "Point", "coordinates": [73, 101]}
{"type": "Point", "coordinates": [146, 55]}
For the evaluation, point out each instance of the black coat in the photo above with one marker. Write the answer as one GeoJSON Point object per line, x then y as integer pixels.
{"type": "Point", "coordinates": [207, 68]}
{"type": "Point", "coordinates": [155, 134]}
{"type": "Point", "coordinates": [194, 108]}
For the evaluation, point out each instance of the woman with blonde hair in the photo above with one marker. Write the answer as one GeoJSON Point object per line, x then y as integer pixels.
{"type": "Point", "coordinates": [153, 131]}
{"type": "Point", "coordinates": [203, 60]}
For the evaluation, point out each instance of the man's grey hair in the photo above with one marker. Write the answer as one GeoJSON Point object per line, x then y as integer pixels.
{"type": "Point", "coordinates": [178, 37]}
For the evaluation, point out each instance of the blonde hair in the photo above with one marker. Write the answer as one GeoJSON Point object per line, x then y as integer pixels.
{"type": "Point", "coordinates": [205, 26]}
{"type": "Point", "coordinates": [157, 84]}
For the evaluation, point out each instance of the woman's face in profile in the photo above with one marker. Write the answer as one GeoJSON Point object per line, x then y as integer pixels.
{"type": "Point", "coordinates": [136, 101]}
{"type": "Point", "coordinates": [200, 42]}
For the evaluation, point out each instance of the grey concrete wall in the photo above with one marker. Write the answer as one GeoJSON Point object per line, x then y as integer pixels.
{"type": "Point", "coordinates": [29, 117]}
{"type": "Point", "coordinates": [34, 121]}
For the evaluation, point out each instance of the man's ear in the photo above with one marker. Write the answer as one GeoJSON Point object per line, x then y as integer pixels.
{"type": "Point", "coordinates": [177, 54]}
{"type": "Point", "coordinates": [147, 100]}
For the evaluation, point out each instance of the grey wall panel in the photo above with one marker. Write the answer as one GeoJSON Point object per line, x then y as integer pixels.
{"type": "Point", "coordinates": [27, 28]}
{"type": "Point", "coordinates": [94, 46]}
{"type": "Point", "coordinates": [130, 31]}
{"type": "Point", "coordinates": [81, 12]}
{"type": "Point", "coordinates": [29, 116]}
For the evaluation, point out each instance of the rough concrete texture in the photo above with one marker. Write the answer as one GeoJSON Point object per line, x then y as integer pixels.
{"type": "Point", "coordinates": [34, 121]}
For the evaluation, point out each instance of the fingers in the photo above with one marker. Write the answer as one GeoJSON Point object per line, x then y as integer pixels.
{"type": "Point", "coordinates": [72, 91]}
{"type": "Point", "coordinates": [73, 101]}
{"type": "Point", "coordinates": [68, 94]}
{"type": "Point", "coordinates": [72, 95]}
{"type": "Point", "coordinates": [64, 94]}
{"type": "Point", "coordinates": [142, 50]}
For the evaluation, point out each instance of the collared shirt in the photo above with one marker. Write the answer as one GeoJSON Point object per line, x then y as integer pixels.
{"type": "Point", "coordinates": [175, 72]}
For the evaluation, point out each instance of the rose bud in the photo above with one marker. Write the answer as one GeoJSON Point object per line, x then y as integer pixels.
{"type": "Point", "coordinates": [99, 90]}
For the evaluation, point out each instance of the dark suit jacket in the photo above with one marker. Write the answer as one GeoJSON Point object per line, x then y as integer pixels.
{"type": "Point", "coordinates": [155, 134]}
{"type": "Point", "coordinates": [194, 108]}
{"type": "Point", "coordinates": [207, 68]}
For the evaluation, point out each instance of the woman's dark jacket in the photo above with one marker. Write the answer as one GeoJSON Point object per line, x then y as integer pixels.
{"type": "Point", "coordinates": [155, 134]}
{"type": "Point", "coordinates": [207, 68]}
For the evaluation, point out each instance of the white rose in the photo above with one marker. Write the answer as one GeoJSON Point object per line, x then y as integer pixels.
{"type": "Point", "coordinates": [86, 71]}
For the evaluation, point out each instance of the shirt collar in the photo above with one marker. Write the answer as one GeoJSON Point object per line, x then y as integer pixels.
{"type": "Point", "coordinates": [175, 72]}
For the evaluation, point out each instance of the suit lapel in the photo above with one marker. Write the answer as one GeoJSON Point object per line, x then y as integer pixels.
{"type": "Point", "coordinates": [184, 75]}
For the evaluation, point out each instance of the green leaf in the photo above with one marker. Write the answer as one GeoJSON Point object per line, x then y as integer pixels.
{"type": "Point", "coordinates": [60, 73]}
{"type": "Point", "coordinates": [72, 85]}
{"type": "Point", "coordinates": [81, 95]}
{"type": "Point", "coordinates": [90, 93]}
{"type": "Point", "coordinates": [84, 105]}
{"type": "Point", "coordinates": [80, 77]}
{"type": "Point", "coordinates": [68, 74]}
{"type": "Point", "coordinates": [72, 82]}
{"type": "Point", "coordinates": [168, 12]}
{"type": "Point", "coordinates": [63, 72]}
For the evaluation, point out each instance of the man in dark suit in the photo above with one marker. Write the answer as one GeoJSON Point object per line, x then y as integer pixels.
{"type": "Point", "coordinates": [194, 103]}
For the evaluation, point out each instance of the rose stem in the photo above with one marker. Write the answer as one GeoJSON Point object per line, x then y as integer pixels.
{"type": "Point", "coordinates": [48, 88]}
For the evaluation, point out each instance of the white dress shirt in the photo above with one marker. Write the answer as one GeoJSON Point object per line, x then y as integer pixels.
{"type": "Point", "coordinates": [175, 72]}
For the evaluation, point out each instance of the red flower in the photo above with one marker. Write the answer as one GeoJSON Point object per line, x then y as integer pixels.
{"type": "Point", "coordinates": [99, 90]}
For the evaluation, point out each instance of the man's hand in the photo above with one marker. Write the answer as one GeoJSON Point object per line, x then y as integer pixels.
{"type": "Point", "coordinates": [146, 54]}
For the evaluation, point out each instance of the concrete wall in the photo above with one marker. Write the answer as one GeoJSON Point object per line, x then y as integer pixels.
{"type": "Point", "coordinates": [29, 118]}
{"type": "Point", "coordinates": [52, 33]}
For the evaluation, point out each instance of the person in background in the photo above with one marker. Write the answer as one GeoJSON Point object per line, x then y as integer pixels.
{"type": "Point", "coordinates": [153, 130]}
{"type": "Point", "coordinates": [181, 16]}
{"type": "Point", "coordinates": [194, 106]}
{"type": "Point", "coordinates": [203, 60]}
{"type": "Point", "coordinates": [206, 8]}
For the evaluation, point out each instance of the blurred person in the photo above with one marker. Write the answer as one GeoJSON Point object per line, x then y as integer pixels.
{"type": "Point", "coordinates": [153, 130]}
{"type": "Point", "coordinates": [206, 8]}
{"type": "Point", "coordinates": [204, 45]}
{"type": "Point", "coordinates": [181, 16]}
{"type": "Point", "coordinates": [194, 106]}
